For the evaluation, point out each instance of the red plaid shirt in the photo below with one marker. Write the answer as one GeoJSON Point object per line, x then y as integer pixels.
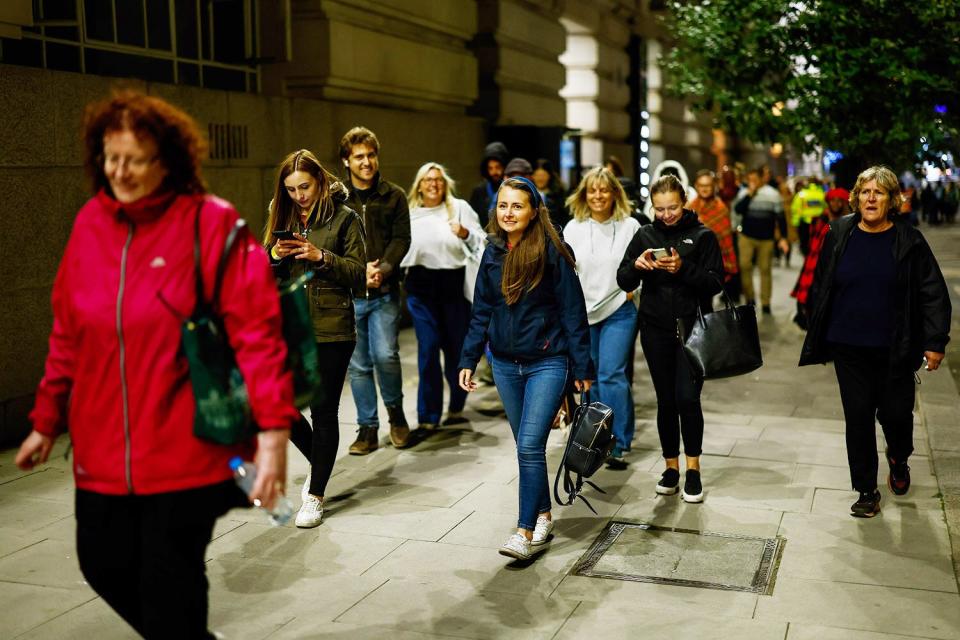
{"type": "Point", "coordinates": [715, 215]}
{"type": "Point", "coordinates": [818, 231]}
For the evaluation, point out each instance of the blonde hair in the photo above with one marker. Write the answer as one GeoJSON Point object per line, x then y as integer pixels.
{"type": "Point", "coordinates": [414, 199]}
{"type": "Point", "coordinates": [577, 202]}
{"type": "Point", "coordinates": [886, 179]}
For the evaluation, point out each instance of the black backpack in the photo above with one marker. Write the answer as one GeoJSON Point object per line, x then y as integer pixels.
{"type": "Point", "coordinates": [588, 446]}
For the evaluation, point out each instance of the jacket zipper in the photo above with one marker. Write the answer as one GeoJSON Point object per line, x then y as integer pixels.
{"type": "Point", "coordinates": [363, 220]}
{"type": "Point", "coordinates": [123, 364]}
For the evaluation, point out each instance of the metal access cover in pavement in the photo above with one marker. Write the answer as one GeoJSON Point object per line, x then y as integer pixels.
{"type": "Point", "coordinates": [647, 553]}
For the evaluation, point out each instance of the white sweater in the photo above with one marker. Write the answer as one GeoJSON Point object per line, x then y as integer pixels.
{"type": "Point", "coordinates": [434, 246]}
{"type": "Point", "coordinates": [599, 248]}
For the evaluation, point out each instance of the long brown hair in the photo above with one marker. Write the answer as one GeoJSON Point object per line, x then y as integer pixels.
{"type": "Point", "coordinates": [283, 213]}
{"type": "Point", "coordinates": [180, 146]}
{"type": "Point", "coordinates": [525, 263]}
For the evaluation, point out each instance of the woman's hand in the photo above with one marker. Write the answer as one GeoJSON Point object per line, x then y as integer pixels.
{"type": "Point", "coordinates": [459, 230]}
{"type": "Point", "coordinates": [34, 450]}
{"type": "Point", "coordinates": [933, 360]}
{"type": "Point", "coordinates": [271, 461]}
{"type": "Point", "coordinates": [582, 385]}
{"type": "Point", "coordinates": [671, 263]}
{"type": "Point", "coordinates": [466, 380]}
{"type": "Point", "coordinates": [646, 262]}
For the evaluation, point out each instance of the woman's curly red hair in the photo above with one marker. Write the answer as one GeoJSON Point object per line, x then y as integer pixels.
{"type": "Point", "coordinates": [180, 145]}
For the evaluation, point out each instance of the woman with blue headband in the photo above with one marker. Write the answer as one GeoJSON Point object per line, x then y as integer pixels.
{"type": "Point", "coordinates": [529, 305]}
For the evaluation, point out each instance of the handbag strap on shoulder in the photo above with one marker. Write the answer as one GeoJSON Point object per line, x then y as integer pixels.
{"type": "Point", "coordinates": [231, 240]}
{"type": "Point", "coordinates": [222, 264]}
{"type": "Point", "coordinates": [197, 270]}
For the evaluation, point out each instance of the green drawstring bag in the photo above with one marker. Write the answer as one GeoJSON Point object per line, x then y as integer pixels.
{"type": "Point", "coordinates": [222, 406]}
{"type": "Point", "coordinates": [302, 358]}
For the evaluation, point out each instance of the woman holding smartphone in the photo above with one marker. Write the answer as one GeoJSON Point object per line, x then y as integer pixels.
{"type": "Point", "coordinates": [309, 228]}
{"type": "Point", "coordinates": [678, 261]}
{"type": "Point", "coordinates": [529, 304]}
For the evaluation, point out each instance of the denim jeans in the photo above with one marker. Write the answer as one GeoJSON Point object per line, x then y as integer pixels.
{"type": "Point", "coordinates": [440, 325]}
{"type": "Point", "coordinates": [531, 394]}
{"type": "Point", "coordinates": [377, 348]}
{"type": "Point", "coordinates": [610, 341]}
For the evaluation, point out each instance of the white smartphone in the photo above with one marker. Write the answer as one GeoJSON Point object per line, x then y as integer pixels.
{"type": "Point", "coordinates": [660, 253]}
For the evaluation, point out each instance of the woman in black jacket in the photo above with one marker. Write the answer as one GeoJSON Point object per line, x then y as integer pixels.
{"type": "Point", "coordinates": [879, 307]}
{"type": "Point", "coordinates": [677, 260]}
{"type": "Point", "coordinates": [528, 304]}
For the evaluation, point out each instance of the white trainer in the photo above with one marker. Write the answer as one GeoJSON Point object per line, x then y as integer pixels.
{"type": "Point", "coordinates": [541, 532]}
{"type": "Point", "coordinates": [311, 513]}
{"type": "Point", "coordinates": [517, 546]}
{"type": "Point", "coordinates": [305, 490]}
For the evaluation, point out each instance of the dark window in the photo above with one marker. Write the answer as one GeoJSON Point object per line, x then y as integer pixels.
{"type": "Point", "coordinates": [99, 19]}
{"type": "Point", "coordinates": [63, 57]}
{"type": "Point", "coordinates": [186, 21]}
{"type": "Point", "coordinates": [63, 33]}
{"type": "Point", "coordinates": [158, 24]}
{"type": "Point", "coordinates": [23, 52]}
{"type": "Point", "coordinates": [130, 23]}
{"type": "Point", "coordinates": [228, 36]}
{"type": "Point", "coordinates": [59, 10]}
{"type": "Point", "coordinates": [227, 79]}
{"type": "Point", "coordinates": [124, 65]}
{"type": "Point", "coordinates": [205, 29]}
{"type": "Point", "coordinates": [189, 74]}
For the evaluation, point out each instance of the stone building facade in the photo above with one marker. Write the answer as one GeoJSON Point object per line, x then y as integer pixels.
{"type": "Point", "coordinates": [436, 79]}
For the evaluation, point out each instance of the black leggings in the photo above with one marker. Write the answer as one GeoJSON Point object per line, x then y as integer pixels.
{"type": "Point", "coordinates": [144, 555]}
{"type": "Point", "coordinates": [319, 444]}
{"type": "Point", "coordinates": [871, 393]}
{"type": "Point", "coordinates": [678, 392]}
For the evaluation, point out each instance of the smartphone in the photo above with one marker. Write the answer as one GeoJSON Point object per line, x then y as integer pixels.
{"type": "Point", "coordinates": [284, 234]}
{"type": "Point", "coordinates": [660, 253]}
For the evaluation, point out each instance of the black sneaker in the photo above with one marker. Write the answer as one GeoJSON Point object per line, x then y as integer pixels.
{"type": "Point", "coordinates": [899, 477]}
{"type": "Point", "coordinates": [615, 459]}
{"type": "Point", "coordinates": [669, 482]}
{"type": "Point", "coordinates": [692, 487]}
{"type": "Point", "coordinates": [867, 505]}
{"type": "Point", "coordinates": [766, 310]}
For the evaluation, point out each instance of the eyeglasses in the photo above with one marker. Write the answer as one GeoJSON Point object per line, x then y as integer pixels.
{"type": "Point", "coordinates": [135, 165]}
{"type": "Point", "coordinates": [432, 180]}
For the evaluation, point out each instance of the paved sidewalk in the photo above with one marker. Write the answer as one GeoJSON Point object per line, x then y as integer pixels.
{"type": "Point", "coordinates": [408, 548]}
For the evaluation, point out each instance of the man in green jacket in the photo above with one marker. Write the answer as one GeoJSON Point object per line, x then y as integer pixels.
{"type": "Point", "coordinates": [383, 209]}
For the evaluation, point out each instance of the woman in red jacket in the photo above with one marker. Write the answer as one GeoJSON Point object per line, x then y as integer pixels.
{"type": "Point", "coordinates": [148, 491]}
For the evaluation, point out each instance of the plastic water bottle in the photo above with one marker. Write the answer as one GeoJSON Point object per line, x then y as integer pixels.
{"type": "Point", "coordinates": [245, 473]}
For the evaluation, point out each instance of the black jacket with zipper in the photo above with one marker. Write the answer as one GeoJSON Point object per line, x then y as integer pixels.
{"type": "Point", "coordinates": [921, 299]}
{"type": "Point", "coordinates": [665, 297]}
{"type": "Point", "coordinates": [386, 225]}
{"type": "Point", "coordinates": [549, 320]}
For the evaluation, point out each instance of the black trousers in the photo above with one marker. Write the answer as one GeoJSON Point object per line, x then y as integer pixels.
{"type": "Point", "coordinates": [319, 443]}
{"type": "Point", "coordinates": [144, 555]}
{"type": "Point", "coordinates": [870, 392]}
{"type": "Point", "coordinates": [678, 392]}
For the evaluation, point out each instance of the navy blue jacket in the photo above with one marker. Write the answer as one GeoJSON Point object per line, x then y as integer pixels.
{"type": "Point", "coordinates": [550, 320]}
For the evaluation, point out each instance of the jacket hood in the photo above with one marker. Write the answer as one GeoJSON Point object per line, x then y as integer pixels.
{"type": "Point", "coordinates": [494, 151]}
{"type": "Point", "coordinates": [339, 191]}
{"type": "Point", "coordinates": [688, 220]}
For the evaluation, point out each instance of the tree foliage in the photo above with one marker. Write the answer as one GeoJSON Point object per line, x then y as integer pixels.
{"type": "Point", "coordinates": [861, 77]}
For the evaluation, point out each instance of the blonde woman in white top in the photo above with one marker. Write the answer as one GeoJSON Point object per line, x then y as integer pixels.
{"type": "Point", "coordinates": [445, 241]}
{"type": "Point", "coordinates": [599, 233]}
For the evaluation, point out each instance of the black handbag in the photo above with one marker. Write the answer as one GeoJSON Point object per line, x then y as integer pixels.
{"type": "Point", "coordinates": [588, 445]}
{"type": "Point", "coordinates": [723, 343]}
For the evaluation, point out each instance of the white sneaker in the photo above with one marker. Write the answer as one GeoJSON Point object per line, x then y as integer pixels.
{"type": "Point", "coordinates": [305, 490]}
{"type": "Point", "coordinates": [541, 532]}
{"type": "Point", "coordinates": [517, 546]}
{"type": "Point", "coordinates": [311, 512]}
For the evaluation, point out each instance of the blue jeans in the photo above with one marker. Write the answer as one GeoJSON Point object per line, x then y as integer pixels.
{"type": "Point", "coordinates": [377, 348]}
{"type": "Point", "coordinates": [610, 342]}
{"type": "Point", "coordinates": [531, 394]}
{"type": "Point", "coordinates": [440, 325]}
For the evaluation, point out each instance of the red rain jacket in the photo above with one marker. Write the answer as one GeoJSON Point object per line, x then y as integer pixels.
{"type": "Point", "coordinates": [116, 375]}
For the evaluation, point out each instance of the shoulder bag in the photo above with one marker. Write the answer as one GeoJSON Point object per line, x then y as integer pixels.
{"type": "Point", "coordinates": [723, 343]}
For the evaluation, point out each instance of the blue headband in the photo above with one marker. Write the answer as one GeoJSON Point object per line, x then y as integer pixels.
{"type": "Point", "coordinates": [532, 188]}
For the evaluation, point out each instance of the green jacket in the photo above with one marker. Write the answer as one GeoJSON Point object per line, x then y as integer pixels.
{"type": "Point", "coordinates": [386, 225]}
{"type": "Point", "coordinates": [331, 290]}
